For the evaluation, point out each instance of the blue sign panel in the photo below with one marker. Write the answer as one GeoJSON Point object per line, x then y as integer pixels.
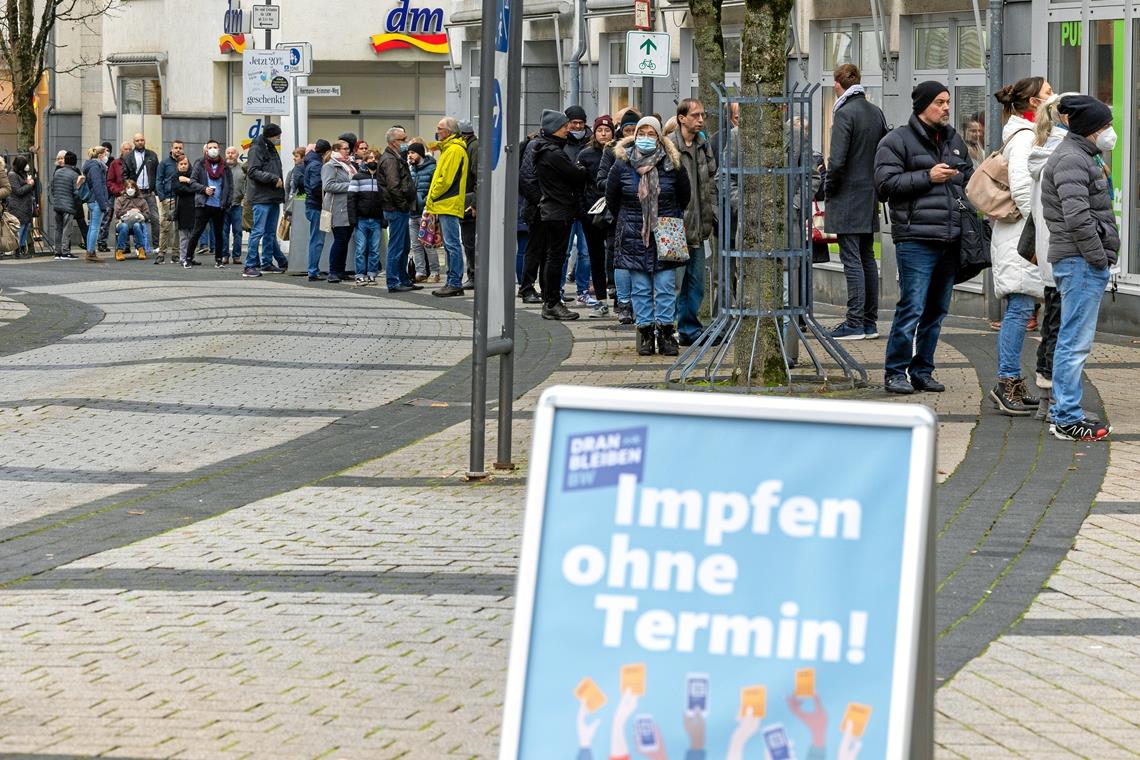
{"type": "Point", "coordinates": [497, 126]}
{"type": "Point", "coordinates": [719, 580]}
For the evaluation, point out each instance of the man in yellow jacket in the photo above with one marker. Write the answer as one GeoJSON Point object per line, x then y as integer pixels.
{"type": "Point", "coordinates": [445, 199]}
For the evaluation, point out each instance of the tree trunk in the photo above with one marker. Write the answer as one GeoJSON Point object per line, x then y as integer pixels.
{"type": "Point", "coordinates": [763, 59]}
{"type": "Point", "coordinates": [708, 38]}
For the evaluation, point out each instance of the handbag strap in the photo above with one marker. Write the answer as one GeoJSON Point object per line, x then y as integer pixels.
{"type": "Point", "coordinates": [1006, 143]}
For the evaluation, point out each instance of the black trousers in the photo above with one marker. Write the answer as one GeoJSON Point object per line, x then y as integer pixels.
{"type": "Point", "coordinates": [338, 253]}
{"type": "Point", "coordinates": [1050, 325]}
{"type": "Point", "coordinates": [213, 216]}
{"type": "Point", "coordinates": [557, 241]}
{"type": "Point", "coordinates": [596, 243]}
{"type": "Point", "coordinates": [467, 232]}
{"type": "Point", "coordinates": [532, 257]}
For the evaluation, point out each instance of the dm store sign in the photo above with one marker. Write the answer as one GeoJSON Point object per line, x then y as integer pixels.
{"type": "Point", "coordinates": [408, 27]}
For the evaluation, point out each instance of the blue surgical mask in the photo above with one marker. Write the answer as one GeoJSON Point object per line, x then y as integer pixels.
{"type": "Point", "coordinates": [577, 134]}
{"type": "Point", "coordinates": [645, 144]}
{"type": "Point", "coordinates": [403, 147]}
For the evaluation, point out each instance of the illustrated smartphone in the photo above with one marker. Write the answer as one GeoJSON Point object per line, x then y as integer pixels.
{"type": "Point", "coordinates": [589, 693]}
{"type": "Point", "coordinates": [805, 683]}
{"type": "Point", "coordinates": [857, 715]}
{"type": "Point", "coordinates": [645, 733]}
{"type": "Point", "coordinates": [777, 743]}
{"type": "Point", "coordinates": [633, 678]}
{"type": "Point", "coordinates": [697, 692]}
{"type": "Point", "coordinates": [755, 697]}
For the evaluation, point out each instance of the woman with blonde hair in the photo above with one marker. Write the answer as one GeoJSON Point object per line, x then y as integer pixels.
{"type": "Point", "coordinates": [99, 203]}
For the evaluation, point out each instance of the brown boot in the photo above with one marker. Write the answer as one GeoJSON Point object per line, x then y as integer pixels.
{"type": "Point", "coordinates": [120, 255]}
{"type": "Point", "coordinates": [1007, 398]}
{"type": "Point", "coordinates": [142, 253]}
{"type": "Point", "coordinates": [92, 258]}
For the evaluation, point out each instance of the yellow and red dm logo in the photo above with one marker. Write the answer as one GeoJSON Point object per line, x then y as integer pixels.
{"type": "Point", "coordinates": [429, 43]}
{"type": "Point", "coordinates": [408, 27]}
{"type": "Point", "coordinates": [232, 43]}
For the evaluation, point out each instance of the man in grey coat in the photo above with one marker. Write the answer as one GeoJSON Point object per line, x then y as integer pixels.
{"type": "Point", "coordinates": [851, 211]}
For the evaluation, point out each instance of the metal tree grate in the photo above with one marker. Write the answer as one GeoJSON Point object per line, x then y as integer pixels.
{"type": "Point", "coordinates": [709, 363]}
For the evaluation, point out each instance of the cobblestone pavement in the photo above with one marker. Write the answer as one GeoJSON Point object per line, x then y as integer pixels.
{"type": "Point", "coordinates": [273, 554]}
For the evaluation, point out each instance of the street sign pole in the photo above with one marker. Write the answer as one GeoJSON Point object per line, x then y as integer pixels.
{"type": "Point", "coordinates": [269, 46]}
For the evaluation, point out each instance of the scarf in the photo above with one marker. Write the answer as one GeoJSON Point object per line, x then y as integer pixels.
{"type": "Point", "coordinates": [648, 188]}
{"type": "Point", "coordinates": [851, 91]}
{"type": "Point", "coordinates": [1030, 116]}
{"type": "Point", "coordinates": [214, 168]}
{"type": "Point", "coordinates": [344, 164]}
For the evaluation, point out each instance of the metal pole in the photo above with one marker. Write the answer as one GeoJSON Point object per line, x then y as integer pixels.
{"type": "Point", "coordinates": [268, 46]}
{"type": "Point", "coordinates": [511, 155]}
{"type": "Point", "coordinates": [994, 81]}
{"type": "Point", "coordinates": [482, 237]}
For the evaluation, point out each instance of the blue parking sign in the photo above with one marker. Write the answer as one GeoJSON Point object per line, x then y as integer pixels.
{"type": "Point", "coordinates": [748, 571]}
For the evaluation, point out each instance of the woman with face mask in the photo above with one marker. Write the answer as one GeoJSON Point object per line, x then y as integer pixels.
{"type": "Point", "coordinates": [130, 215]}
{"type": "Point", "coordinates": [212, 202]}
{"type": "Point", "coordinates": [591, 158]}
{"type": "Point", "coordinates": [645, 184]}
{"type": "Point", "coordinates": [366, 215]}
{"type": "Point", "coordinates": [336, 180]}
{"type": "Point", "coordinates": [1016, 279]}
{"type": "Point", "coordinates": [1076, 200]}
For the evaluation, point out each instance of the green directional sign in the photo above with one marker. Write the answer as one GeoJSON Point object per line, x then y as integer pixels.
{"type": "Point", "coordinates": [648, 54]}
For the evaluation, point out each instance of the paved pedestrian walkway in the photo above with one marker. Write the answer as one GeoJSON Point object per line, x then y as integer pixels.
{"type": "Point", "coordinates": [232, 524]}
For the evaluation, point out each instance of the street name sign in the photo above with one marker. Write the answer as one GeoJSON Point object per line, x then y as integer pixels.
{"type": "Point", "coordinates": [647, 54]}
{"type": "Point", "coordinates": [695, 558]}
{"type": "Point", "coordinates": [319, 91]}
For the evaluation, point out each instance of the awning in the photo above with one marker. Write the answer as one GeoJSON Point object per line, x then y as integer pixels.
{"type": "Point", "coordinates": [136, 63]}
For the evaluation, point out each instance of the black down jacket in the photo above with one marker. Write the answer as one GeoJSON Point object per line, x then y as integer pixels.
{"type": "Point", "coordinates": [1077, 206]}
{"type": "Point", "coordinates": [621, 198]}
{"type": "Point", "coordinates": [921, 209]}
{"type": "Point", "coordinates": [560, 181]}
{"type": "Point", "coordinates": [591, 158]}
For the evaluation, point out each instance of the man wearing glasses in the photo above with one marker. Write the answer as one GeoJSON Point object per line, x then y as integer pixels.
{"type": "Point", "coordinates": [700, 215]}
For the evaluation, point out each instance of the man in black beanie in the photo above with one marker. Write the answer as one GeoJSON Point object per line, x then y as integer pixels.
{"type": "Point", "coordinates": [921, 170]}
{"type": "Point", "coordinates": [1076, 201]}
{"type": "Point", "coordinates": [265, 189]}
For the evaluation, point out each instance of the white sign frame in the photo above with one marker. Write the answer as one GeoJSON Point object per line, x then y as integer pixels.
{"type": "Point", "coordinates": [305, 68]}
{"type": "Point", "coordinates": [265, 17]}
{"type": "Point", "coordinates": [916, 561]}
{"type": "Point", "coordinates": [657, 63]}
{"type": "Point", "coordinates": [271, 63]}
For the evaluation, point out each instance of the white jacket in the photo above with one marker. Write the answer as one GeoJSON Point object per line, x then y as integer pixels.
{"type": "Point", "coordinates": [1037, 159]}
{"type": "Point", "coordinates": [1011, 273]}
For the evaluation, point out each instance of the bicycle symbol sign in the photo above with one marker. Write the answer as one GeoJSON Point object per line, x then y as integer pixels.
{"type": "Point", "coordinates": [647, 54]}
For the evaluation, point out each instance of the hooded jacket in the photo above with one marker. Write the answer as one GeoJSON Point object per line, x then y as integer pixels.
{"type": "Point", "coordinates": [1076, 204]}
{"type": "Point", "coordinates": [700, 164]}
{"type": "Point", "coordinates": [448, 189]}
{"type": "Point", "coordinates": [422, 174]}
{"type": "Point", "coordinates": [336, 181]}
{"type": "Point", "coordinates": [1012, 273]}
{"type": "Point", "coordinates": [559, 179]}
{"type": "Point", "coordinates": [264, 173]}
{"type": "Point", "coordinates": [528, 181]}
{"type": "Point", "coordinates": [95, 175]}
{"type": "Point", "coordinates": [621, 198]}
{"type": "Point", "coordinates": [62, 189]}
{"type": "Point", "coordinates": [312, 180]}
{"type": "Point", "coordinates": [366, 197]}
{"type": "Point", "coordinates": [920, 208]}
{"type": "Point", "coordinates": [1036, 162]}
{"type": "Point", "coordinates": [22, 201]}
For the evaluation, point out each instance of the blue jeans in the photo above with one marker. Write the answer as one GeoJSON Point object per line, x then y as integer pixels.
{"type": "Point", "coordinates": [1081, 286]}
{"type": "Point", "coordinates": [398, 245]}
{"type": "Point", "coordinates": [139, 229]}
{"type": "Point", "coordinates": [316, 240]}
{"type": "Point", "coordinates": [1011, 337]}
{"type": "Point", "coordinates": [231, 227]}
{"type": "Point", "coordinates": [264, 232]}
{"type": "Point", "coordinates": [23, 234]}
{"type": "Point", "coordinates": [520, 256]}
{"type": "Point", "coordinates": [369, 235]}
{"type": "Point", "coordinates": [692, 293]}
{"type": "Point", "coordinates": [654, 297]}
{"type": "Point", "coordinates": [623, 285]}
{"type": "Point", "coordinates": [926, 281]}
{"type": "Point", "coordinates": [94, 222]}
{"type": "Point", "coordinates": [453, 244]}
{"type": "Point", "coordinates": [582, 262]}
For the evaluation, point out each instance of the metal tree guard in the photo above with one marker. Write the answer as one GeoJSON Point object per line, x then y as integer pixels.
{"type": "Point", "coordinates": [702, 363]}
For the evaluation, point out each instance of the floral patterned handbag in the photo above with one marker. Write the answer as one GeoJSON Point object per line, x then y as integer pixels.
{"type": "Point", "coordinates": [672, 247]}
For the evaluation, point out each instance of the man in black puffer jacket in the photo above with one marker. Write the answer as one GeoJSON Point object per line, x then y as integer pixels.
{"type": "Point", "coordinates": [921, 170]}
{"type": "Point", "coordinates": [536, 242]}
{"type": "Point", "coordinates": [561, 183]}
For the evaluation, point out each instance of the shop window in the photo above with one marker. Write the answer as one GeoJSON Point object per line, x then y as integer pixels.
{"type": "Point", "coordinates": [1066, 56]}
{"type": "Point", "coordinates": [838, 48]}
{"type": "Point", "coordinates": [1106, 83]}
{"type": "Point", "coordinates": [932, 47]}
{"type": "Point", "coordinates": [970, 56]}
{"type": "Point", "coordinates": [855, 45]}
{"type": "Point", "coordinates": [624, 90]}
{"type": "Point", "coordinates": [140, 108]}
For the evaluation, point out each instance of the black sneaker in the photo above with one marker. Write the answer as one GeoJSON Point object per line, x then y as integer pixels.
{"type": "Point", "coordinates": [250, 272]}
{"type": "Point", "coordinates": [898, 384]}
{"type": "Point", "coordinates": [927, 383]}
{"type": "Point", "coordinates": [1080, 431]}
{"type": "Point", "coordinates": [316, 278]}
{"type": "Point", "coordinates": [271, 270]}
{"type": "Point", "coordinates": [559, 312]}
{"type": "Point", "coordinates": [219, 265]}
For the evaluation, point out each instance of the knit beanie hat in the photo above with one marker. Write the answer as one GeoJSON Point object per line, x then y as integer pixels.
{"type": "Point", "coordinates": [322, 147]}
{"type": "Point", "coordinates": [650, 121]}
{"type": "Point", "coordinates": [924, 94]}
{"type": "Point", "coordinates": [273, 130]}
{"type": "Point", "coordinates": [604, 121]}
{"type": "Point", "coordinates": [552, 121]}
{"type": "Point", "coordinates": [466, 128]}
{"type": "Point", "coordinates": [350, 138]}
{"type": "Point", "coordinates": [575, 112]}
{"type": "Point", "coordinates": [629, 119]}
{"type": "Point", "coordinates": [1086, 113]}
{"type": "Point", "coordinates": [417, 148]}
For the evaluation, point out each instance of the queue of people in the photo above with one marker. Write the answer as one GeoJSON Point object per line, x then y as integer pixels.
{"type": "Point", "coordinates": [1054, 239]}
